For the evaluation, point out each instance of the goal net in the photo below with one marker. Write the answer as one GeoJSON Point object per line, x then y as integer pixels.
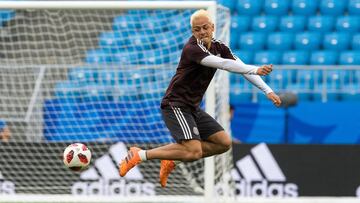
{"type": "Point", "coordinates": [72, 73]}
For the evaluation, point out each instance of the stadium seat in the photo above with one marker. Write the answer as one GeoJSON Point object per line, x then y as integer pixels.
{"type": "Point", "coordinates": [280, 41]}
{"type": "Point", "coordinates": [355, 43]}
{"type": "Point", "coordinates": [245, 56]}
{"type": "Point", "coordinates": [252, 41]}
{"type": "Point", "coordinates": [297, 57]}
{"type": "Point", "coordinates": [332, 7]}
{"type": "Point", "coordinates": [123, 23]}
{"type": "Point", "coordinates": [304, 7]}
{"type": "Point", "coordinates": [94, 92]}
{"type": "Point", "coordinates": [350, 92]}
{"type": "Point", "coordinates": [107, 77]}
{"type": "Point", "coordinates": [354, 7]}
{"type": "Point", "coordinates": [97, 56]}
{"type": "Point", "coordinates": [348, 24]}
{"type": "Point", "coordinates": [238, 96]}
{"type": "Point", "coordinates": [82, 75]}
{"type": "Point", "coordinates": [154, 24]}
{"type": "Point", "coordinates": [249, 7]}
{"type": "Point", "coordinates": [336, 41]}
{"type": "Point", "coordinates": [279, 79]}
{"type": "Point", "coordinates": [332, 93]}
{"type": "Point", "coordinates": [321, 23]}
{"type": "Point", "coordinates": [292, 23]}
{"type": "Point", "coordinates": [111, 42]}
{"type": "Point", "coordinates": [301, 90]}
{"type": "Point", "coordinates": [240, 23]}
{"type": "Point", "coordinates": [6, 15]}
{"type": "Point", "coordinates": [334, 78]}
{"type": "Point", "coordinates": [308, 41]}
{"type": "Point", "coordinates": [276, 7]}
{"type": "Point", "coordinates": [349, 58]}
{"type": "Point", "coordinates": [267, 57]}
{"type": "Point", "coordinates": [264, 23]}
{"type": "Point", "coordinates": [66, 89]}
{"type": "Point", "coordinates": [308, 78]}
{"type": "Point", "coordinates": [126, 57]}
{"type": "Point", "coordinates": [231, 4]}
{"type": "Point", "coordinates": [325, 57]}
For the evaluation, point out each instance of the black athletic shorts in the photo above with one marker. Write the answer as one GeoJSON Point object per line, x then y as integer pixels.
{"type": "Point", "coordinates": [187, 124]}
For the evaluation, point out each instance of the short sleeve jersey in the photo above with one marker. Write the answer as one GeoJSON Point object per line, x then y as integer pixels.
{"type": "Point", "coordinates": [188, 85]}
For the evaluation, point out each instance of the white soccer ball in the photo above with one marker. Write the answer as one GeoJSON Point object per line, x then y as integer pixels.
{"type": "Point", "coordinates": [77, 156]}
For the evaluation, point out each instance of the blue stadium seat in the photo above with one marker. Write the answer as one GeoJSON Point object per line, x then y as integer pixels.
{"type": "Point", "coordinates": [231, 4]}
{"type": "Point", "coordinates": [267, 57]}
{"type": "Point", "coordinates": [308, 78]}
{"type": "Point", "coordinates": [234, 37]}
{"type": "Point", "coordinates": [154, 24]}
{"type": "Point", "coordinates": [321, 23]}
{"type": "Point", "coordinates": [111, 42]}
{"type": "Point", "coordinates": [332, 7]}
{"type": "Point", "coordinates": [348, 24]}
{"type": "Point", "coordinates": [246, 56]}
{"type": "Point", "coordinates": [240, 23]}
{"type": "Point", "coordinates": [297, 57]}
{"type": "Point", "coordinates": [249, 7]}
{"type": "Point", "coordinates": [334, 78]}
{"type": "Point", "coordinates": [97, 56]}
{"type": "Point", "coordinates": [252, 41]}
{"type": "Point", "coordinates": [354, 7]}
{"type": "Point", "coordinates": [325, 57]}
{"type": "Point", "coordinates": [308, 41]}
{"type": "Point", "coordinates": [336, 41]}
{"type": "Point", "coordinates": [332, 92]}
{"type": "Point", "coordinates": [350, 92]}
{"type": "Point", "coordinates": [349, 58]}
{"type": "Point", "coordinates": [82, 75]}
{"type": "Point", "coordinates": [126, 23]}
{"type": "Point", "coordinates": [264, 23]}
{"type": "Point", "coordinates": [276, 7]}
{"type": "Point", "coordinates": [355, 43]}
{"type": "Point", "coordinates": [94, 92]}
{"type": "Point", "coordinates": [6, 15]}
{"type": "Point", "coordinates": [280, 41]}
{"type": "Point", "coordinates": [292, 23]}
{"type": "Point", "coordinates": [279, 79]}
{"type": "Point", "coordinates": [301, 90]}
{"type": "Point", "coordinates": [66, 89]}
{"type": "Point", "coordinates": [304, 7]}
{"type": "Point", "coordinates": [107, 77]}
{"type": "Point", "coordinates": [126, 57]}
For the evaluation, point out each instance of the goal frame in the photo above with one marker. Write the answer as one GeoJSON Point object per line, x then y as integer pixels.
{"type": "Point", "coordinates": [209, 169]}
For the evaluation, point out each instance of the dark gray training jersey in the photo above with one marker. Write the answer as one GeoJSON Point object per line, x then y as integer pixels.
{"type": "Point", "coordinates": [188, 85]}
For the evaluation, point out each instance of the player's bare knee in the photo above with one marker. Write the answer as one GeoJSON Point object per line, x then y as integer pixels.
{"type": "Point", "coordinates": [226, 145]}
{"type": "Point", "coordinates": [193, 155]}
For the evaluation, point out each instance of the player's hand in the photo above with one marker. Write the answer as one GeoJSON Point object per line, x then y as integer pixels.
{"type": "Point", "coordinates": [274, 98]}
{"type": "Point", "coordinates": [264, 70]}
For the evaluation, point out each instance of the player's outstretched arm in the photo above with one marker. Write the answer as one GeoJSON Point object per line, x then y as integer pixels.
{"type": "Point", "coordinates": [235, 66]}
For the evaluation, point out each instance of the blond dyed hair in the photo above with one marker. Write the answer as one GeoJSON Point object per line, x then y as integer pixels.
{"type": "Point", "coordinates": [200, 13]}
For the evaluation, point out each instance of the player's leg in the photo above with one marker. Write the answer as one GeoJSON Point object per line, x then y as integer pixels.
{"type": "Point", "coordinates": [216, 143]}
{"type": "Point", "coordinates": [214, 138]}
{"type": "Point", "coordinates": [180, 122]}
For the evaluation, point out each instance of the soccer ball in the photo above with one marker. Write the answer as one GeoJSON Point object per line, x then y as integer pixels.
{"type": "Point", "coordinates": [77, 157]}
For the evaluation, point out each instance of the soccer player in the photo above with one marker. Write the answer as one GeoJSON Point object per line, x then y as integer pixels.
{"type": "Point", "coordinates": [197, 134]}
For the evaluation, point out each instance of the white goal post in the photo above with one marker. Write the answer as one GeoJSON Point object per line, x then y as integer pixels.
{"type": "Point", "coordinates": [216, 102]}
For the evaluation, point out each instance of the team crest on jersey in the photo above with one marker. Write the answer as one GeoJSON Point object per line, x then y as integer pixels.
{"type": "Point", "coordinates": [196, 131]}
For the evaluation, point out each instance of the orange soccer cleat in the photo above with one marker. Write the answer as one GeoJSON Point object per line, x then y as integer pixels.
{"type": "Point", "coordinates": [165, 169]}
{"type": "Point", "coordinates": [132, 159]}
